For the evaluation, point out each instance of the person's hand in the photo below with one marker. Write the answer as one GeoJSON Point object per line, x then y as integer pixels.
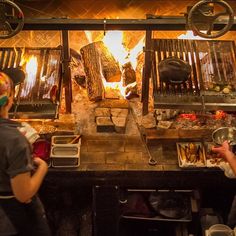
{"type": "Point", "coordinates": [223, 150]}
{"type": "Point", "coordinates": [40, 163]}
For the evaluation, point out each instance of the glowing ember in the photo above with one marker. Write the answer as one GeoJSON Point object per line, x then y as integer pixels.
{"type": "Point", "coordinates": [189, 116]}
{"type": "Point", "coordinates": [219, 115]}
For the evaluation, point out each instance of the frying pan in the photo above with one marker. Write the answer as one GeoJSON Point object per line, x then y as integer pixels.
{"type": "Point", "coordinates": [174, 70]}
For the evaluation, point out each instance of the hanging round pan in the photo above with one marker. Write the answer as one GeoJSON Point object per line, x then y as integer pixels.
{"type": "Point", "coordinates": [174, 70]}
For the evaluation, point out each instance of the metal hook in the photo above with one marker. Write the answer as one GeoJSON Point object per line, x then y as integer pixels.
{"type": "Point", "coordinates": [104, 26]}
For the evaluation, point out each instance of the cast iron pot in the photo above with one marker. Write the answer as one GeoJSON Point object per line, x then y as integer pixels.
{"type": "Point", "coordinates": [174, 70]}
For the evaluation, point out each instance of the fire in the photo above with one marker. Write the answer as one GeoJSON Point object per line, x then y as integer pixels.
{"type": "Point", "coordinates": [114, 89]}
{"type": "Point", "coordinates": [114, 42]}
{"type": "Point", "coordinates": [190, 35]}
{"type": "Point", "coordinates": [135, 52]}
{"type": "Point", "coordinates": [88, 35]}
{"type": "Point", "coordinates": [31, 66]}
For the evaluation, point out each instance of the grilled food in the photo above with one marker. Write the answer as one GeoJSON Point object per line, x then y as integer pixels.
{"type": "Point", "coordinates": [191, 154]}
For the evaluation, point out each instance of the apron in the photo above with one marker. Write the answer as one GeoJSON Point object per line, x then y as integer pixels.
{"type": "Point", "coordinates": [23, 219]}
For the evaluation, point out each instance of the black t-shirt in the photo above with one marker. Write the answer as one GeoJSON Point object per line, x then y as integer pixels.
{"type": "Point", "coordinates": [15, 153]}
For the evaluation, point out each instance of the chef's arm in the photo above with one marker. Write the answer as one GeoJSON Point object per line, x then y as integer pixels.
{"type": "Point", "coordinates": [231, 158]}
{"type": "Point", "coordinates": [25, 185]}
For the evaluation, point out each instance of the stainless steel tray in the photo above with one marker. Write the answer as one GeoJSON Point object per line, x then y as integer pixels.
{"type": "Point", "coordinates": [64, 153]}
{"type": "Point", "coordinates": [64, 162]}
{"type": "Point", "coordinates": [66, 140]}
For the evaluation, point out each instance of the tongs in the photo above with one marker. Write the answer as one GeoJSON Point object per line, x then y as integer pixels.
{"type": "Point", "coordinates": [75, 140]}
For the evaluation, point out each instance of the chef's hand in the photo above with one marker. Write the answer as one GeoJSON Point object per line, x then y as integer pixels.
{"type": "Point", "coordinates": [223, 151]}
{"type": "Point", "coordinates": [40, 163]}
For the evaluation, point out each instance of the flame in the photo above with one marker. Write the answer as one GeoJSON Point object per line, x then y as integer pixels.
{"type": "Point", "coordinates": [114, 41]}
{"type": "Point", "coordinates": [31, 72]}
{"type": "Point", "coordinates": [135, 52]}
{"type": "Point", "coordinates": [189, 35]}
{"type": "Point", "coordinates": [88, 35]}
{"type": "Point", "coordinates": [114, 88]}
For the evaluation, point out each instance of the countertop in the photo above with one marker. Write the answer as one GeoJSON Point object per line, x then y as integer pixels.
{"type": "Point", "coordinates": [111, 159]}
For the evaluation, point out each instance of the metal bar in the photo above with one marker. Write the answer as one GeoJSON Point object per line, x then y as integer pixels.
{"type": "Point", "coordinates": [7, 59]}
{"type": "Point", "coordinates": [147, 71]}
{"type": "Point", "coordinates": [157, 23]}
{"type": "Point", "coordinates": [13, 58]}
{"type": "Point", "coordinates": [2, 59]}
{"type": "Point", "coordinates": [195, 80]}
{"type": "Point", "coordinates": [196, 106]}
{"type": "Point", "coordinates": [66, 70]}
{"type": "Point", "coordinates": [18, 59]}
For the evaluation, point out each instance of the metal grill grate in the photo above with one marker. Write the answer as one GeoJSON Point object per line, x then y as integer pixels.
{"type": "Point", "coordinates": [43, 74]}
{"type": "Point", "coordinates": [212, 64]}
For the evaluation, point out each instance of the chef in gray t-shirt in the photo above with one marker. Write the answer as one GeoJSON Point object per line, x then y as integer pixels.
{"type": "Point", "coordinates": [21, 211]}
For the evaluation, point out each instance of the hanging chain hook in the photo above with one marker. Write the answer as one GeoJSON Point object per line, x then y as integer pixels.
{"type": "Point", "coordinates": [104, 26]}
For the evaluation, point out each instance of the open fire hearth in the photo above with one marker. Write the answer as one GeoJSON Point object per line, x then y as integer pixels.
{"type": "Point", "coordinates": [95, 69]}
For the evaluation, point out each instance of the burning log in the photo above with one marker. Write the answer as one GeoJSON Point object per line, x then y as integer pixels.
{"type": "Point", "coordinates": [129, 80]}
{"type": "Point", "coordinates": [99, 64]}
{"type": "Point", "coordinates": [128, 74]}
{"type": "Point", "coordinates": [110, 66]}
{"type": "Point", "coordinates": [92, 66]}
{"type": "Point", "coordinates": [77, 68]}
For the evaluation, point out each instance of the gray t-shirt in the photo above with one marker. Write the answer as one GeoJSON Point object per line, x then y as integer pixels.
{"type": "Point", "coordinates": [15, 153]}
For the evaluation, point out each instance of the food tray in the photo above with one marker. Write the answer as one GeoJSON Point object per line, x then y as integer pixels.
{"type": "Point", "coordinates": [191, 154]}
{"type": "Point", "coordinates": [65, 161]}
{"type": "Point", "coordinates": [63, 151]}
{"type": "Point", "coordinates": [64, 154]}
{"type": "Point", "coordinates": [66, 140]}
{"type": "Point", "coordinates": [212, 160]}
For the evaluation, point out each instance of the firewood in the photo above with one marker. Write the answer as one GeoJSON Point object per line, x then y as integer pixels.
{"type": "Point", "coordinates": [99, 64]}
{"type": "Point", "coordinates": [118, 112]}
{"type": "Point", "coordinates": [128, 74]}
{"type": "Point", "coordinates": [110, 66]}
{"type": "Point", "coordinates": [92, 66]}
{"type": "Point", "coordinates": [104, 124]}
{"type": "Point", "coordinates": [100, 111]}
{"type": "Point", "coordinates": [120, 124]}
